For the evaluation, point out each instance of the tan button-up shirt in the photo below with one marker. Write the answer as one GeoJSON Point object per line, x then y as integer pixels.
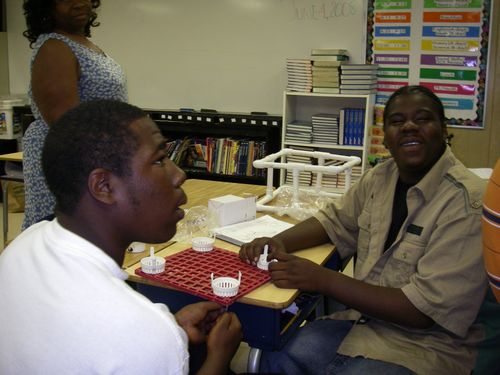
{"type": "Point", "coordinates": [436, 261]}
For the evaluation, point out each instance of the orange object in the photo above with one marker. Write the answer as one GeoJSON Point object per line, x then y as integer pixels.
{"type": "Point", "coordinates": [452, 17]}
{"type": "Point", "coordinates": [491, 230]}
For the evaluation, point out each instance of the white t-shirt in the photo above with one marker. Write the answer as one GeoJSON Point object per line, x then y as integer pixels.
{"type": "Point", "coordinates": [65, 309]}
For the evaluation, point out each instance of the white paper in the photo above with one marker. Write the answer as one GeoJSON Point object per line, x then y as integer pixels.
{"type": "Point", "coordinates": [240, 233]}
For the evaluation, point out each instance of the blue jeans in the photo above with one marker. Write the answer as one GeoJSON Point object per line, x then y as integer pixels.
{"type": "Point", "coordinates": [313, 350]}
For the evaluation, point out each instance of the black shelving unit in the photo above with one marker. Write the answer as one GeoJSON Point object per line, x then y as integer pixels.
{"type": "Point", "coordinates": [176, 124]}
{"type": "Point", "coordinates": [253, 126]}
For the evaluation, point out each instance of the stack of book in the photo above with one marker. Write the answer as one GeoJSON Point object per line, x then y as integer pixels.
{"type": "Point", "coordinates": [351, 126]}
{"type": "Point", "coordinates": [358, 79]}
{"type": "Point", "coordinates": [325, 128]}
{"type": "Point", "coordinates": [325, 69]}
{"type": "Point", "coordinates": [299, 73]}
{"type": "Point", "coordinates": [299, 132]}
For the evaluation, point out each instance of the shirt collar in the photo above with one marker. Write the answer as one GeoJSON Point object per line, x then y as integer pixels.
{"type": "Point", "coordinates": [429, 184]}
{"type": "Point", "coordinates": [79, 244]}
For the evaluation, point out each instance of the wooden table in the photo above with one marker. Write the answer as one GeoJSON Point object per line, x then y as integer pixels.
{"type": "Point", "coordinates": [16, 157]}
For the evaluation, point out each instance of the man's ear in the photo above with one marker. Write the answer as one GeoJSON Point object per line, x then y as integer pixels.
{"type": "Point", "coordinates": [100, 184]}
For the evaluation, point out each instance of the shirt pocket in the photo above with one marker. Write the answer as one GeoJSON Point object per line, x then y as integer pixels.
{"type": "Point", "coordinates": [402, 264]}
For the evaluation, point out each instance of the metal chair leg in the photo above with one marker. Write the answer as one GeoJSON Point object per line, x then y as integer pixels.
{"type": "Point", "coordinates": [254, 360]}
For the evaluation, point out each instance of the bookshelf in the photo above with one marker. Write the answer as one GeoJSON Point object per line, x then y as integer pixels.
{"type": "Point", "coordinates": [245, 132]}
{"type": "Point", "coordinates": [300, 107]}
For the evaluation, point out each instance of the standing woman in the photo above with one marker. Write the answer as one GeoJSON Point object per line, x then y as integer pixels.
{"type": "Point", "coordinates": [66, 69]}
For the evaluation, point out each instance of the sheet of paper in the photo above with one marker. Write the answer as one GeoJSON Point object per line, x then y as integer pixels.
{"type": "Point", "coordinates": [240, 233]}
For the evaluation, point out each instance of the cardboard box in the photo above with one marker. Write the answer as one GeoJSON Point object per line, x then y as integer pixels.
{"type": "Point", "coordinates": [230, 209]}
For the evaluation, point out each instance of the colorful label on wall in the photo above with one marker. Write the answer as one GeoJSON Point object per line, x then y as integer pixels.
{"type": "Point", "coordinates": [393, 59]}
{"type": "Point", "coordinates": [456, 4]}
{"type": "Point", "coordinates": [453, 60]}
{"type": "Point", "coordinates": [392, 31]}
{"type": "Point", "coordinates": [393, 5]}
{"type": "Point", "coordinates": [451, 31]}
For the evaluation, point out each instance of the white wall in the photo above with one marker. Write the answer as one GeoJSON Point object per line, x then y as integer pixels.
{"type": "Point", "coordinates": [222, 54]}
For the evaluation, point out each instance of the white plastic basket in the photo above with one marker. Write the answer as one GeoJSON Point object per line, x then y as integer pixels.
{"type": "Point", "coordinates": [202, 244]}
{"type": "Point", "coordinates": [152, 264]}
{"type": "Point", "coordinates": [226, 286]}
{"type": "Point", "coordinates": [277, 160]}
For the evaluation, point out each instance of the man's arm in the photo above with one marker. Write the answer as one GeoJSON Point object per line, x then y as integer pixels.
{"type": "Point", "coordinates": [389, 304]}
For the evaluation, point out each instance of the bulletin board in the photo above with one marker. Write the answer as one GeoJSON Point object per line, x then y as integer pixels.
{"type": "Point", "coordinates": [440, 44]}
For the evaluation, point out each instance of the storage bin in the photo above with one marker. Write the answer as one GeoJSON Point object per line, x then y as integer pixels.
{"type": "Point", "coordinates": [9, 129]}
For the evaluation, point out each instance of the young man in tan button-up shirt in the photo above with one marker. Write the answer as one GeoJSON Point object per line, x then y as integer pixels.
{"type": "Point", "coordinates": [414, 223]}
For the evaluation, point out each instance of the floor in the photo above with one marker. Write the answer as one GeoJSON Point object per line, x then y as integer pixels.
{"type": "Point", "coordinates": [239, 363]}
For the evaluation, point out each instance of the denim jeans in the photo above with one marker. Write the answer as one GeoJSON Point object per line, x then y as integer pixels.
{"type": "Point", "coordinates": [313, 350]}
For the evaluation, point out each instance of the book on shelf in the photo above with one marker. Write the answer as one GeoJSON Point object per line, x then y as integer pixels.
{"type": "Point", "coordinates": [358, 91]}
{"type": "Point", "coordinates": [358, 79]}
{"type": "Point", "coordinates": [328, 51]}
{"type": "Point", "coordinates": [359, 67]}
{"type": "Point", "coordinates": [326, 90]}
{"type": "Point", "coordinates": [298, 88]}
{"type": "Point", "coordinates": [322, 83]}
{"type": "Point", "coordinates": [299, 68]}
{"type": "Point", "coordinates": [326, 77]}
{"type": "Point", "coordinates": [290, 61]}
{"type": "Point", "coordinates": [338, 58]}
{"type": "Point", "coordinates": [320, 70]}
{"type": "Point", "coordinates": [326, 64]}
{"type": "Point", "coordinates": [330, 76]}
{"type": "Point", "coordinates": [358, 74]}
{"type": "Point", "coordinates": [362, 86]}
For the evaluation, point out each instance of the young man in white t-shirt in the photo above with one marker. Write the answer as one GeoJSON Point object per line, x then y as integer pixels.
{"type": "Point", "coordinates": [66, 308]}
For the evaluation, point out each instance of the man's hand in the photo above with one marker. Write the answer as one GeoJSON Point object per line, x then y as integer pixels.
{"type": "Point", "coordinates": [294, 272]}
{"type": "Point", "coordinates": [198, 319]}
{"type": "Point", "coordinates": [251, 251]}
{"type": "Point", "coordinates": [225, 335]}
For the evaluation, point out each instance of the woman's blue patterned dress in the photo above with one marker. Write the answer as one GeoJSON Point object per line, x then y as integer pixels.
{"type": "Point", "coordinates": [100, 78]}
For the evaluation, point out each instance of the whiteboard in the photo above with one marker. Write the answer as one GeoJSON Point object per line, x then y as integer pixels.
{"type": "Point", "coordinates": [227, 55]}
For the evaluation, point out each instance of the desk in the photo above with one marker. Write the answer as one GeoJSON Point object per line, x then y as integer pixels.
{"type": "Point", "coordinates": [259, 310]}
{"type": "Point", "coordinates": [13, 157]}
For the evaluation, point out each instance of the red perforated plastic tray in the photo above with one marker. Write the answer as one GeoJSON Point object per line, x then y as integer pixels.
{"type": "Point", "coordinates": [190, 271]}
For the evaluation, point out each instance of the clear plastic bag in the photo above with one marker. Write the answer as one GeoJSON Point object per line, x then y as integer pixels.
{"type": "Point", "coordinates": [198, 222]}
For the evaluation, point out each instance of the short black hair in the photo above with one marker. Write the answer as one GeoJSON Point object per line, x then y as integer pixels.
{"type": "Point", "coordinates": [416, 89]}
{"type": "Point", "coordinates": [39, 20]}
{"type": "Point", "coordinates": [95, 134]}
